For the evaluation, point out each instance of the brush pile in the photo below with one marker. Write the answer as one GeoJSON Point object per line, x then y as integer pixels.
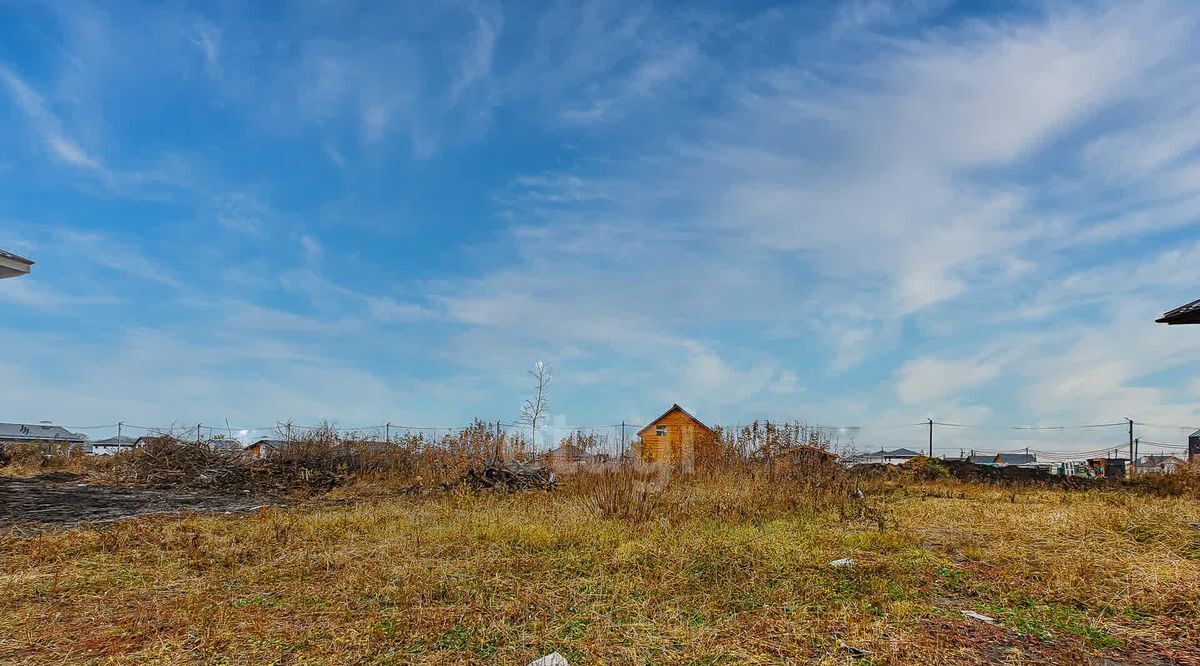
{"type": "Point", "coordinates": [321, 461]}
{"type": "Point", "coordinates": [510, 476]}
{"type": "Point", "coordinates": [968, 471]}
{"type": "Point", "coordinates": [166, 462]}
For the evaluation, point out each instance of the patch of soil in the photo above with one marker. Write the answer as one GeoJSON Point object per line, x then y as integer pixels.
{"type": "Point", "coordinates": [969, 641]}
{"type": "Point", "coordinates": [58, 499]}
{"type": "Point", "coordinates": [58, 477]}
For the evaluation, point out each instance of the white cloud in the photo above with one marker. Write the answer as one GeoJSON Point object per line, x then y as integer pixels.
{"type": "Point", "coordinates": [312, 248]}
{"type": "Point", "coordinates": [47, 125]}
{"type": "Point", "coordinates": [644, 82]}
{"type": "Point", "coordinates": [856, 16]}
{"type": "Point", "coordinates": [31, 293]}
{"type": "Point", "coordinates": [242, 212]}
{"type": "Point", "coordinates": [125, 379]}
{"type": "Point", "coordinates": [390, 309]}
{"type": "Point", "coordinates": [70, 152]}
{"type": "Point", "coordinates": [924, 380]}
{"type": "Point", "coordinates": [853, 196]}
{"type": "Point", "coordinates": [116, 255]}
{"type": "Point", "coordinates": [375, 117]}
{"type": "Point", "coordinates": [1102, 373]}
{"type": "Point", "coordinates": [729, 205]}
{"type": "Point", "coordinates": [474, 64]}
{"type": "Point", "coordinates": [207, 38]}
{"type": "Point", "coordinates": [844, 206]}
{"type": "Point", "coordinates": [334, 154]}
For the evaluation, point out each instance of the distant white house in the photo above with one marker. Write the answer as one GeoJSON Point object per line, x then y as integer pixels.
{"type": "Point", "coordinates": [105, 447]}
{"type": "Point", "coordinates": [1159, 463]}
{"type": "Point", "coordinates": [882, 457]}
{"type": "Point", "coordinates": [12, 265]}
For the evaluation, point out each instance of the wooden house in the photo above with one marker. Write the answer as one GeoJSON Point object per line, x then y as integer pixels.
{"type": "Point", "coordinates": [569, 453]}
{"type": "Point", "coordinates": [263, 447]}
{"type": "Point", "coordinates": [675, 438]}
{"type": "Point", "coordinates": [807, 455]}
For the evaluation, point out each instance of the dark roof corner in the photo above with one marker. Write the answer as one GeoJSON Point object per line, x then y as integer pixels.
{"type": "Point", "coordinates": [12, 265]}
{"type": "Point", "coordinates": [1184, 314]}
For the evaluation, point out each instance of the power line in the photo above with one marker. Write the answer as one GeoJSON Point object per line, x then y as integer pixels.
{"type": "Point", "coordinates": [813, 426]}
{"type": "Point", "coordinates": [1170, 427]}
{"type": "Point", "coordinates": [1180, 447]}
{"type": "Point", "coordinates": [1029, 427]}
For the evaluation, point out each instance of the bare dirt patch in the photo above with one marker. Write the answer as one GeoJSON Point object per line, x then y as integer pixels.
{"type": "Point", "coordinates": [63, 500]}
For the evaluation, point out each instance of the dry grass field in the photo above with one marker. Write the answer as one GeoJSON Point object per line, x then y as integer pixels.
{"type": "Point", "coordinates": [714, 569]}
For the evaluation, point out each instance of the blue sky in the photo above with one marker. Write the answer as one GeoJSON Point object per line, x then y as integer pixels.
{"type": "Point", "coordinates": [866, 214]}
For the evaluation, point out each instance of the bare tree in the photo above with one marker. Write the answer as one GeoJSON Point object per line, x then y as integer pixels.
{"type": "Point", "coordinates": [537, 408]}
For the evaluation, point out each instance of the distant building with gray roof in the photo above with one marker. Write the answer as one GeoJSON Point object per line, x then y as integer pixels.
{"type": "Point", "coordinates": [43, 433]}
{"type": "Point", "coordinates": [1003, 459]}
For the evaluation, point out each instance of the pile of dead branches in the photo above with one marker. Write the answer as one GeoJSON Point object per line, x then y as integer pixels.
{"type": "Point", "coordinates": [967, 471]}
{"type": "Point", "coordinates": [168, 462]}
{"type": "Point", "coordinates": [509, 476]}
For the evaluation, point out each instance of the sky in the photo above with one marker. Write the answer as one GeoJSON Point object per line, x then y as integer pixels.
{"type": "Point", "coordinates": [864, 214]}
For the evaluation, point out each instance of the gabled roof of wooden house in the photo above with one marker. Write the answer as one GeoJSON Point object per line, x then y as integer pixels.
{"type": "Point", "coordinates": [674, 408]}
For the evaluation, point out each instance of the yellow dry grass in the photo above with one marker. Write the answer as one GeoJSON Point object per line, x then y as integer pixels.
{"type": "Point", "coordinates": [725, 571]}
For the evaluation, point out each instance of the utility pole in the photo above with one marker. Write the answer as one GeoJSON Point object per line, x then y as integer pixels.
{"type": "Point", "coordinates": [198, 434]}
{"type": "Point", "coordinates": [930, 438]}
{"type": "Point", "coordinates": [1130, 441]}
{"type": "Point", "coordinates": [1137, 445]}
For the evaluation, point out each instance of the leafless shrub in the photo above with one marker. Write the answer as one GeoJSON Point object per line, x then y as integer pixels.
{"type": "Point", "coordinates": [1183, 481]}
{"type": "Point", "coordinates": [22, 458]}
{"type": "Point", "coordinates": [632, 493]}
{"type": "Point", "coordinates": [586, 442]}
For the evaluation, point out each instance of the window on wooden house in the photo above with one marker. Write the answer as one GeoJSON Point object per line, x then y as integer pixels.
{"type": "Point", "coordinates": [660, 431]}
